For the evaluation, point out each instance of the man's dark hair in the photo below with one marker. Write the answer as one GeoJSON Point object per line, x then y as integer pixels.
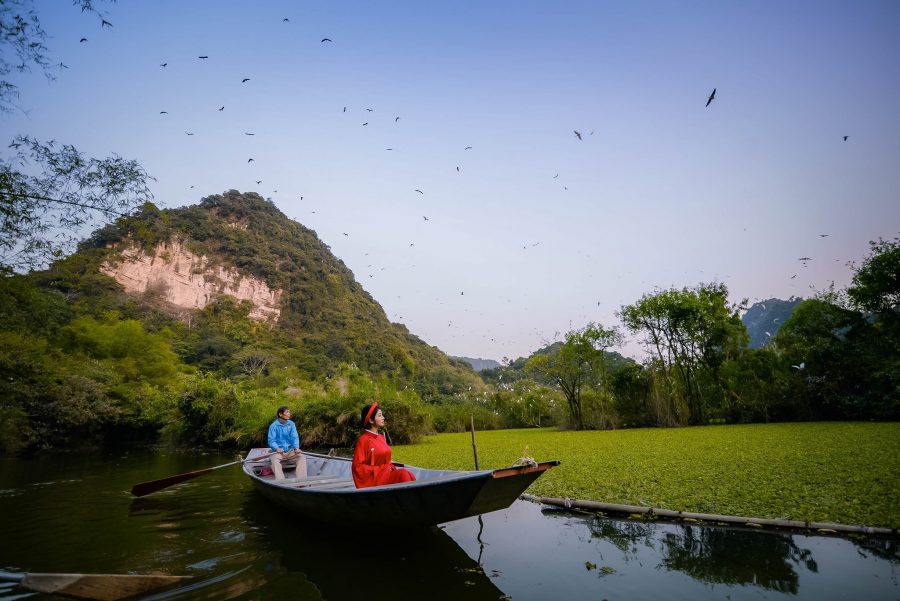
{"type": "Point", "coordinates": [282, 409]}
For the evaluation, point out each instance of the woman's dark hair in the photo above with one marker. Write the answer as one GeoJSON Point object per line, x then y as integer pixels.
{"type": "Point", "coordinates": [281, 410]}
{"type": "Point", "coordinates": [365, 412]}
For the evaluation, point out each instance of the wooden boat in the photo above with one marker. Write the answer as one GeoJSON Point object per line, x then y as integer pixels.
{"type": "Point", "coordinates": [327, 493]}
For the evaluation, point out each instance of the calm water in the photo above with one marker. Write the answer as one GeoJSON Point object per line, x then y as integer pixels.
{"type": "Point", "coordinates": [73, 513]}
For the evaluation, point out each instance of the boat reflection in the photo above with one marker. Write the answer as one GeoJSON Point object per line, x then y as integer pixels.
{"type": "Point", "coordinates": [344, 564]}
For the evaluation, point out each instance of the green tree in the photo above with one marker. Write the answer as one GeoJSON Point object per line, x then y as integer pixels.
{"type": "Point", "coordinates": [690, 332]}
{"type": "Point", "coordinates": [876, 284]}
{"type": "Point", "coordinates": [578, 363]}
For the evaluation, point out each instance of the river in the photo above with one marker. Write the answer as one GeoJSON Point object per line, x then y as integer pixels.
{"type": "Point", "coordinates": [72, 512]}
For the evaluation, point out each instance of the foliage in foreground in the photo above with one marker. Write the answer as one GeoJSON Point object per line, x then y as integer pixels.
{"type": "Point", "coordinates": [844, 472]}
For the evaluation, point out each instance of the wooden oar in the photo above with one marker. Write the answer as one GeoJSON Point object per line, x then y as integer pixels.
{"type": "Point", "coordinates": [145, 488]}
{"type": "Point", "coordinates": [105, 587]}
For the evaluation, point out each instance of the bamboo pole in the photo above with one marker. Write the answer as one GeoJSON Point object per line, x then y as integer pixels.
{"type": "Point", "coordinates": [651, 512]}
{"type": "Point", "coordinates": [474, 448]}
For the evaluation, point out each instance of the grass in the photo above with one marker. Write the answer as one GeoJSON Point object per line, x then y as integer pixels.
{"type": "Point", "coordinates": [844, 472]}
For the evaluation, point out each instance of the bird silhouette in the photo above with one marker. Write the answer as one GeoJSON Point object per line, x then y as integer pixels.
{"type": "Point", "coordinates": [163, 64]}
{"type": "Point", "coordinates": [801, 366]}
{"type": "Point", "coordinates": [163, 112]}
{"type": "Point", "coordinates": [412, 244]}
{"type": "Point", "coordinates": [711, 97]}
{"type": "Point", "coordinates": [419, 191]}
{"type": "Point", "coordinates": [793, 276]}
{"type": "Point", "coordinates": [247, 133]}
{"type": "Point", "coordinates": [467, 148]}
{"type": "Point", "coordinates": [326, 39]}
{"type": "Point", "coordinates": [190, 133]}
{"type": "Point", "coordinates": [258, 182]}
{"type": "Point", "coordinates": [388, 148]}
{"type": "Point", "coordinates": [396, 119]}
{"type": "Point", "coordinates": [370, 110]}
{"type": "Point", "coordinates": [845, 138]}
{"type": "Point", "coordinates": [105, 23]}
{"type": "Point", "coordinates": [245, 80]}
{"type": "Point", "coordinates": [345, 109]}
{"type": "Point", "coordinates": [285, 20]}
{"type": "Point", "coordinates": [424, 217]}
{"type": "Point", "coordinates": [346, 234]}
{"type": "Point", "coordinates": [577, 133]}
{"type": "Point", "coordinates": [249, 160]}
{"type": "Point", "coordinates": [62, 66]}
{"type": "Point", "coordinates": [202, 57]}
{"type": "Point", "coordinates": [823, 235]}
{"type": "Point", "coordinates": [555, 176]}
{"type": "Point", "coordinates": [221, 108]}
{"type": "Point", "coordinates": [804, 259]}
{"type": "Point", "coordinates": [366, 123]}
{"type": "Point", "coordinates": [82, 40]}
{"type": "Point", "coordinates": [457, 168]}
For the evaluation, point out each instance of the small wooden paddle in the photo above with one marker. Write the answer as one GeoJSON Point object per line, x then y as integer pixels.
{"type": "Point", "coordinates": [104, 587]}
{"type": "Point", "coordinates": [145, 488]}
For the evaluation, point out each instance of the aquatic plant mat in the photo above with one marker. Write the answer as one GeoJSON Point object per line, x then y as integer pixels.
{"type": "Point", "coordinates": [837, 472]}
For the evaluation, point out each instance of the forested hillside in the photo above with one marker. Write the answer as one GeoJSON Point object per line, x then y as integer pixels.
{"type": "Point", "coordinates": [88, 360]}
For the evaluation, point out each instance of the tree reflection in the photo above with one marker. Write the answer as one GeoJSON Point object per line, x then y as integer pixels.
{"type": "Point", "coordinates": [729, 556]}
{"type": "Point", "coordinates": [628, 537]}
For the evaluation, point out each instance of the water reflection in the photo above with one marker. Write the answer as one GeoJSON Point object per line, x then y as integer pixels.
{"type": "Point", "coordinates": [73, 513]}
{"type": "Point", "coordinates": [343, 563]}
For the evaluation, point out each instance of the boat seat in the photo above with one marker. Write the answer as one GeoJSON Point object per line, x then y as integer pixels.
{"type": "Point", "coordinates": [320, 482]}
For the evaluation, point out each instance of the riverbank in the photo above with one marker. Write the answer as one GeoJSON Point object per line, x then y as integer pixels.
{"type": "Point", "coordinates": [843, 472]}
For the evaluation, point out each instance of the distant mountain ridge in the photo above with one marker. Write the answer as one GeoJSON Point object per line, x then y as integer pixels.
{"type": "Point", "coordinates": [764, 318]}
{"type": "Point", "coordinates": [479, 364]}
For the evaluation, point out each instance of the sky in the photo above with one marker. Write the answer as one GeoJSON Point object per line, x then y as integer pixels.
{"type": "Point", "coordinates": [465, 113]}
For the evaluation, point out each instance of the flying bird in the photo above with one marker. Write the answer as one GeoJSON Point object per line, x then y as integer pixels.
{"type": "Point", "coordinates": [247, 133]}
{"type": "Point", "coordinates": [82, 40]}
{"type": "Point", "coordinates": [285, 20]}
{"type": "Point", "coordinates": [221, 108]}
{"type": "Point", "coordinates": [419, 191]}
{"type": "Point", "coordinates": [364, 124]}
{"type": "Point", "coordinates": [249, 160]}
{"type": "Point", "coordinates": [105, 23]}
{"type": "Point", "coordinates": [190, 133]}
{"type": "Point", "coordinates": [326, 39]}
{"type": "Point", "coordinates": [245, 80]}
{"type": "Point", "coordinates": [163, 112]}
{"type": "Point", "coordinates": [345, 109]}
{"type": "Point", "coordinates": [370, 110]}
{"type": "Point", "coordinates": [711, 97]}
{"type": "Point", "coordinates": [467, 148]}
{"type": "Point", "coordinates": [388, 148]}
{"type": "Point", "coordinates": [258, 182]}
{"type": "Point", "coordinates": [793, 276]}
{"type": "Point", "coordinates": [577, 133]}
{"type": "Point", "coordinates": [396, 119]}
{"type": "Point", "coordinates": [202, 57]}
{"type": "Point", "coordinates": [805, 259]}
{"type": "Point", "coordinates": [457, 168]}
{"type": "Point", "coordinates": [163, 64]}
{"type": "Point", "coordinates": [555, 176]}
{"type": "Point", "coordinates": [424, 217]}
{"type": "Point", "coordinates": [345, 233]}
{"type": "Point", "coordinates": [801, 366]}
{"type": "Point", "coordinates": [845, 138]}
{"type": "Point", "coordinates": [823, 235]}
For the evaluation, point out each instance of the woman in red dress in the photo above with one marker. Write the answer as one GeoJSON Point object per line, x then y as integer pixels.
{"type": "Point", "coordinates": [372, 456]}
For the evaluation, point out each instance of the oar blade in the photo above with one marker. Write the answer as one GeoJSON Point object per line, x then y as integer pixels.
{"type": "Point", "coordinates": [103, 587]}
{"type": "Point", "coordinates": [145, 488]}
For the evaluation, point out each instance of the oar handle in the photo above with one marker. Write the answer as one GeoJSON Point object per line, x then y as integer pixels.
{"type": "Point", "coordinates": [12, 576]}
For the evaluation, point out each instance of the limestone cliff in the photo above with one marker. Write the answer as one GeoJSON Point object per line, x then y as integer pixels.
{"type": "Point", "coordinates": [189, 281]}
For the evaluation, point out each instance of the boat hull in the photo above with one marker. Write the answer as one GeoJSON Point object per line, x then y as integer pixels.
{"type": "Point", "coordinates": [435, 497]}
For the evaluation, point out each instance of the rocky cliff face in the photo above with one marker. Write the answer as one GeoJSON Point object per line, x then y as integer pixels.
{"type": "Point", "coordinates": [189, 281]}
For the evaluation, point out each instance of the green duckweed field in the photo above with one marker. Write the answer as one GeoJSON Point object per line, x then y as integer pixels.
{"type": "Point", "coordinates": [844, 472]}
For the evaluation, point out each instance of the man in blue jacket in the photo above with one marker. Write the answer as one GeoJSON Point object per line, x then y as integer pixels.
{"type": "Point", "coordinates": [284, 442]}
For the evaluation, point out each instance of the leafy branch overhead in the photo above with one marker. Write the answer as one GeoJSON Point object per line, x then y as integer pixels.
{"type": "Point", "coordinates": [50, 194]}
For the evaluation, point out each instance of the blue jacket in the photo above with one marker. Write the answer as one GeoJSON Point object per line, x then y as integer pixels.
{"type": "Point", "coordinates": [284, 436]}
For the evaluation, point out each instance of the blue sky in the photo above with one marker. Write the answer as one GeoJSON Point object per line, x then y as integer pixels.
{"type": "Point", "coordinates": [537, 232]}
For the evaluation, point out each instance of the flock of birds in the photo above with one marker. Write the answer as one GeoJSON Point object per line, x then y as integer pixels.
{"type": "Point", "coordinates": [578, 135]}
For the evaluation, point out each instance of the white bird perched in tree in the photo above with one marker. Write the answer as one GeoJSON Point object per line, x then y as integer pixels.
{"type": "Point", "coordinates": [801, 366]}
